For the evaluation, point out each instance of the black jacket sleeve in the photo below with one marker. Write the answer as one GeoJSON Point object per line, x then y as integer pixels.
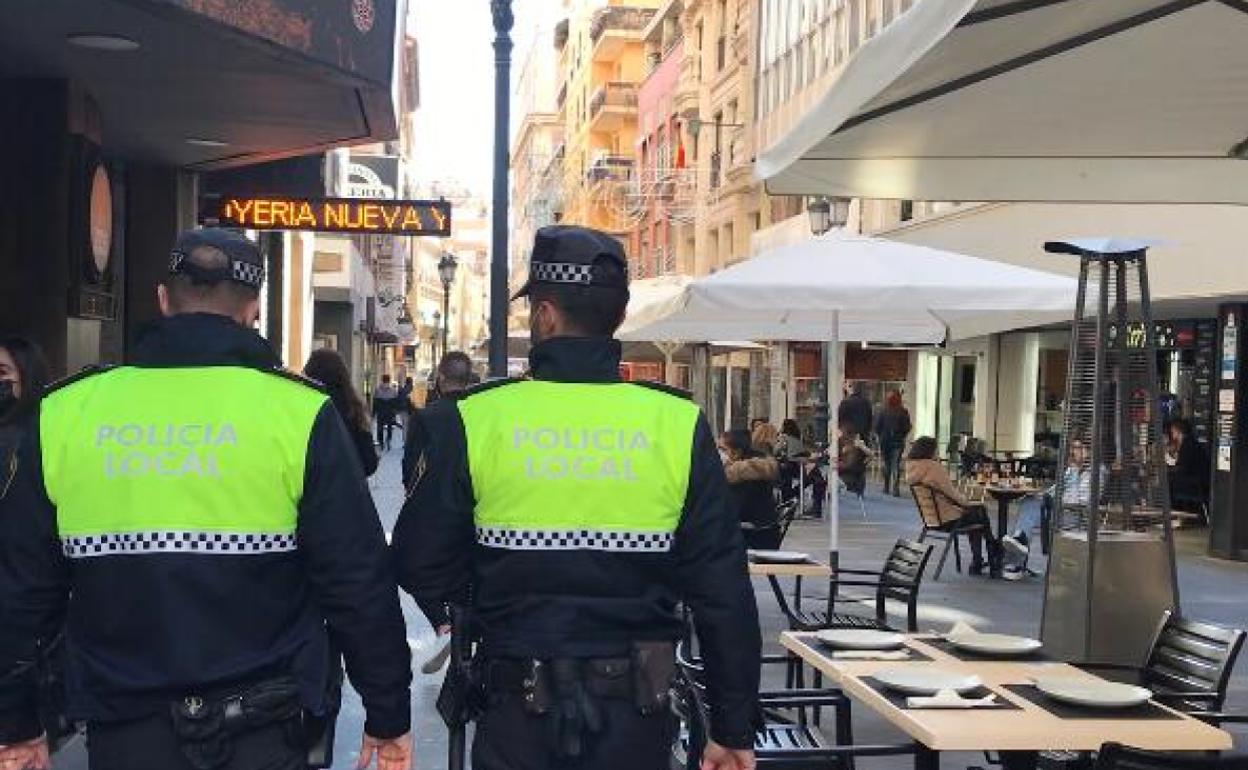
{"type": "Point", "coordinates": [365, 450]}
{"type": "Point", "coordinates": [34, 588]}
{"type": "Point", "coordinates": [434, 537]}
{"type": "Point", "coordinates": [342, 541]}
{"type": "Point", "coordinates": [715, 584]}
{"type": "Point", "coordinates": [414, 445]}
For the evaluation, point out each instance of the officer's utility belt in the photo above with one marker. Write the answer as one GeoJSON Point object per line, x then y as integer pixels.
{"type": "Point", "coordinates": [206, 725]}
{"type": "Point", "coordinates": [567, 691]}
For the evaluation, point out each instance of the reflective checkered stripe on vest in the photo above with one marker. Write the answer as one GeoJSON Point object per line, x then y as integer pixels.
{"type": "Point", "coordinates": [205, 461]}
{"type": "Point", "coordinates": [565, 466]}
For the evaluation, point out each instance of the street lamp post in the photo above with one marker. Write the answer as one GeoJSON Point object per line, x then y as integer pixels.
{"type": "Point", "coordinates": [433, 339]}
{"type": "Point", "coordinates": [446, 271]}
{"type": "Point", "coordinates": [499, 299]}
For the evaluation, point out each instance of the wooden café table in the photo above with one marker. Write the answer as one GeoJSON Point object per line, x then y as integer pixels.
{"type": "Point", "coordinates": [1021, 726]}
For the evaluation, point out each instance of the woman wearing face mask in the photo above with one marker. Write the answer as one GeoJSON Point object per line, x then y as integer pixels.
{"type": "Point", "coordinates": [23, 376]}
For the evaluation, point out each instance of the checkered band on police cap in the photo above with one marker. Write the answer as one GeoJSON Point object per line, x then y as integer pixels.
{"type": "Point", "coordinates": [246, 264]}
{"type": "Point", "coordinates": [562, 272]}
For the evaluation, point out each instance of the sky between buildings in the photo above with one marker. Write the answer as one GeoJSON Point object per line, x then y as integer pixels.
{"type": "Point", "coordinates": [455, 123]}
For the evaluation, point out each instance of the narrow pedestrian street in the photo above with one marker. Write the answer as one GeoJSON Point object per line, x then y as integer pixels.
{"type": "Point", "coordinates": [1209, 590]}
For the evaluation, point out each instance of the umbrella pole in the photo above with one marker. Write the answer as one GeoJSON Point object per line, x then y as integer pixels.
{"type": "Point", "coordinates": [836, 385]}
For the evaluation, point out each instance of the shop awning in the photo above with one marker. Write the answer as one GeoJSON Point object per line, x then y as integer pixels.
{"type": "Point", "coordinates": [1033, 100]}
{"type": "Point", "coordinates": [209, 85]}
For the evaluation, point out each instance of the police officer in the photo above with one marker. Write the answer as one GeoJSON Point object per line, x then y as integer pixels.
{"type": "Point", "coordinates": [574, 511]}
{"type": "Point", "coordinates": [199, 521]}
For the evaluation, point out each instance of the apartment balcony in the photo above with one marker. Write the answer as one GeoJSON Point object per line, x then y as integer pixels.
{"type": "Point", "coordinates": [612, 105]}
{"type": "Point", "coordinates": [613, 28]}
{"type": "Point", "coordinates": [610, 168]}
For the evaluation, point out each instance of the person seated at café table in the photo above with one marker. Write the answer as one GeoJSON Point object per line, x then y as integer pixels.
{"type": "Point", "coordinates": [752, 478]}
{"type": "Point", "coordinates": [1076, 490]}
{"type": "Point", "coordinates": [956, 511]}
{"type": "Point", "coordinates": [1187, 467]}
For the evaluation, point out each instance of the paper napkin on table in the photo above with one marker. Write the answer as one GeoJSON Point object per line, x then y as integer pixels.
{"type": "Point", "coordinates": [949, 699]}
{"type": "Point", "coordinates": [961, 628]}
{"type": "Point", "coordinates": [871, 655]}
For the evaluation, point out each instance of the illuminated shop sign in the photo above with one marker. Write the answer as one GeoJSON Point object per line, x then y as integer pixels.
{"type": "Point", "coordinates": [334, 215]}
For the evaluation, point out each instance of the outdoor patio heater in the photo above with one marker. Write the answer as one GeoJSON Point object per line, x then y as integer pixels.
{"type": "Point", "coordinates": [1111, 565]}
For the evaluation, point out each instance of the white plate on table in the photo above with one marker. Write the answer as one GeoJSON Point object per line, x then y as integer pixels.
{"type": "Point", "coordinates": [779, 557]}
{"type": "Point", "coordinates": [913, 680]}
{"type": "Point", "coordinates": [1004, 645]}
{"type": "Point", "coordinates": [1093, 693]}
{"type": "Point", "coordinates": [860, 639]}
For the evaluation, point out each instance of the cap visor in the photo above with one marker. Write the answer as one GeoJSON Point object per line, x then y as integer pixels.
{"type": "Point", "coordinates": [523, 292]}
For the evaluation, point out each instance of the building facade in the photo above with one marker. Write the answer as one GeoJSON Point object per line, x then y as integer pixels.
{"type": "Point", "coordinates": [601, 65]}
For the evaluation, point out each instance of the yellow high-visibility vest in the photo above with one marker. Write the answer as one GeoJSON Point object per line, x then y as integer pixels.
{"type": "Point", "coordinates": [564, 466]}
{"type": "Point", "coordinates": [180, 460]}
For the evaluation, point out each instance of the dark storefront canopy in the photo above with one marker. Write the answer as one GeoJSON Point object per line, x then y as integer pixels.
{"type": "Point", "coordinates": [211, 85]}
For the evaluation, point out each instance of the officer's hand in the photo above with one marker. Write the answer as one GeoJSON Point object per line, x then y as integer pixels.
{"type": "Point", "coordinates": [392, 754]}
{"type": "Point", "coordinates": [31, 755]}
{"type": "Point", "coordinates": [716, 757]}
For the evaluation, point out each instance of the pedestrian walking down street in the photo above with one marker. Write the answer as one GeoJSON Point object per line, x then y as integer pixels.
{"type": "Point", "coordinates": [453, 376]}
{"type": "Point", "coordinates": [327, 367]}
{"type": "Point", "coordinates": [23, 378]}
{"type": "Point", "coordinates": [855, 411]}
{"type": "Point", "coordinates": [213, 533]}
{"type": "Point", "coordinates": [385, 411]}
{"type": "Point", "coordinates": [892, 426]}
{"type": "Point", "coordinates": [576, 511]}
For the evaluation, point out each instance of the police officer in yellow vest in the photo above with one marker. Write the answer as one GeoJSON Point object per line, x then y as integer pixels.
{"type": "Point", "coordinates": [199, 522]}
{"type": "Point", "coordinates": [574, 511]}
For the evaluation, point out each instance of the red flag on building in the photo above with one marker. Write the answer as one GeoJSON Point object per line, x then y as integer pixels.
{"type": "Point", "coordinates": [680, 154]}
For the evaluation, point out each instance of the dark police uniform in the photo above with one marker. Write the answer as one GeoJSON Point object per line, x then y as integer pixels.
{"type": "Point", "coordinates": [196, 519]}
{"type": "Point", "coordinates": [574, 511]}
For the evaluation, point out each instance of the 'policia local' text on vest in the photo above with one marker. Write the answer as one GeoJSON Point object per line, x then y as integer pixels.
{"type": "Point", "coordinates": [177, 460]}
{"type": "Point", "coordinates": [563, 466]}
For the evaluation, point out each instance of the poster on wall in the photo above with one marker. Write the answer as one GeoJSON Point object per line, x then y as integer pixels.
{"type": "Point", "coordinates": [1230, 344]}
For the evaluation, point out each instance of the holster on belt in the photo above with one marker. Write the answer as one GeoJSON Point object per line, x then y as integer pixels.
{"type": "Point", "coordinates": [206, 725]}
{"type": "Point", "coordinates": [568, 692]}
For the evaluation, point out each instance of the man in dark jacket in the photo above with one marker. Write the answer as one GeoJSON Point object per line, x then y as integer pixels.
{"type": "Point", "coordinates": [577, 511]}
{"type": "Point", "coordinates": [454, 375]}
{"type": "Point", "coordinates": [200, 524]}
{"type": "Point", "coordinates": [855, 412]}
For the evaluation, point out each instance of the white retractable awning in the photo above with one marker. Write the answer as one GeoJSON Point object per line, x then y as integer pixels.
{"type": "Point", "coordinates": [1126, 101]}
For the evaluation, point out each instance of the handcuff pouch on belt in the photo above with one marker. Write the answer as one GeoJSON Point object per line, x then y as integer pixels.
{"type": "Point", "coordinates": [207, 725]}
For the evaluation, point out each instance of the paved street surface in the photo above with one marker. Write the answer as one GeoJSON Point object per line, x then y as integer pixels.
{"type": "Point", "coordinates": [1211, 589]}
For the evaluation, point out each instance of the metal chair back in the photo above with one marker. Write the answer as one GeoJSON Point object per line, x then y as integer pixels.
{"type": "Point", "coordinates": [1115, 756]}
{"type": "Point", "coordinates": [1191, 656]}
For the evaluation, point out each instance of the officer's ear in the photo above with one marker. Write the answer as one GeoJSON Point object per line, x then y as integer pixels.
{"type": "Point", "coordinates": [162, 299]}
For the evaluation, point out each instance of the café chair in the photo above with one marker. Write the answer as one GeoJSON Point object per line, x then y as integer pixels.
{"type": "Point", "coordinates": [942, 519]}
{"type": "Point", "coordinates": [899, 579]}
{"type": "Point", "coordinates": [1115, 756]}
{"type": "Point", "coordinates": [1189, 665]}
{"type": "Point", "coordinates": [779, 742]}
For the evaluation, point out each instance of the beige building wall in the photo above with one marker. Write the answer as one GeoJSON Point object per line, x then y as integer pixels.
{"type": "Point", "coordinates": [601, 62]}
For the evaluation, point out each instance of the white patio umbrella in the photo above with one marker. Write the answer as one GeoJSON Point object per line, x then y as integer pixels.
{"type": "Point", "coordinates": [850, 288]}
{"type": "Point", "coordinates": [1131, 101]}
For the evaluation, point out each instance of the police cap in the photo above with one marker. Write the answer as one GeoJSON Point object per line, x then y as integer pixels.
{"type": "Point", "coordinates": [246, 265]}
{"type": "Point", "coordinates": [566, 254]}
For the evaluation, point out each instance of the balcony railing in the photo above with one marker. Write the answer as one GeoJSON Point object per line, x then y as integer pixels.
{"type": "Point", "coordinates": [614, 94]}
{"type": "Point", "coordinates": [619, 18]}
{"type": "Point", "coordinates": [610, 168]}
